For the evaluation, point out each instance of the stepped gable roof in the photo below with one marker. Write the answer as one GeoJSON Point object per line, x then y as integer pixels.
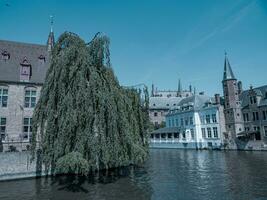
{"type": "Point", "coordinates": [12, 54]}
{"type": "Point", "coordinates": [163, 102]}
{"type": "Point", "coordinates": [260, 91]}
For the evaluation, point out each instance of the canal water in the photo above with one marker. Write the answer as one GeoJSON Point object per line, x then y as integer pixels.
{"type": "Point", "coordinates": [168, 174]}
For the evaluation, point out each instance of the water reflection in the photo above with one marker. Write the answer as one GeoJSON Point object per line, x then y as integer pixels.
{"type": "Point", "coordinates": [168, 174]}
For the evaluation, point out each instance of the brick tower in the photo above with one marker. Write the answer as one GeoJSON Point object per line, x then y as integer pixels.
{"type": "Point", "coordinates": [232, 107]}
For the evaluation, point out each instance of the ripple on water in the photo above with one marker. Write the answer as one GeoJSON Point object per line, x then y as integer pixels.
{"type": "Point", "coordinates": [168, 174]}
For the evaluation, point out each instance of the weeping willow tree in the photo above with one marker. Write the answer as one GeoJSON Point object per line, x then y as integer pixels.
{"type": "Point", "coordinates": [84, 120]}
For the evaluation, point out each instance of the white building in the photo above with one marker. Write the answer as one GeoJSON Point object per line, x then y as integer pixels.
{"type": "Point", "coordinates": [197, 122]}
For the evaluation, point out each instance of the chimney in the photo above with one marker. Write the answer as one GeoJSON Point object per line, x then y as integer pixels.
{"type": "Point", "coordinates": [190, 88]}
{"type": "Point", "coordinates": [239, 87]}
{"type": "Point", "coordinates": [217, 99]}
{"type": "Point", "coordinates": [152, 91]}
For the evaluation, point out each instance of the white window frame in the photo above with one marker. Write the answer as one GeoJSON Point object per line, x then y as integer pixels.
{"type": "Point", "coordinates": [207, 119]}
{"type": "Point", "coordinates": [2, 95]}
{"type": "Point", "coordinates": [203, 131]}
{"type": "Point", "coordinates": [28, 132]}
{"type": "Point", "coordinates": [209, 132]}
{"type": "Point", "coordinates": [3, 134]}
{"type": "Point", "coordinates": [31, 96]}
{"type": "Point", "coordinates": [214, 118]}
{"type": "Point", "coordinates": [215, 131]}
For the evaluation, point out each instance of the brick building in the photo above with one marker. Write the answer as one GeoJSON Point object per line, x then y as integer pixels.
{"type": "Point", "coordinates": [22, 72]}
{"type": "Point", "coordinates": [245, 113]}
{"type": "Point", "coordinates": [161, 101]}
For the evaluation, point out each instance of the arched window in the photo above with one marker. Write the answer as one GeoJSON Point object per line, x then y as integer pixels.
{"type": "Point", "coordinates": [30, 97]}
{"type": "Point", "coordinates": [3, 96]}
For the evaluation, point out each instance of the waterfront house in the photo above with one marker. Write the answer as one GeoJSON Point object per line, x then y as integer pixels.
{"type": "Point", "coordinates": [197, 123]}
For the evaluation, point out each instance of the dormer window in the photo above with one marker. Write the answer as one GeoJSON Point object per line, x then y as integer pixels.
{"type": "Point", "coordinates": [5, 55]}
{"type": "Point", "coordinates": [25, 70]}
{"type": "Point", "coordinates": [41, 58]}
{"type": "Point", "coordinates": [253, 100]}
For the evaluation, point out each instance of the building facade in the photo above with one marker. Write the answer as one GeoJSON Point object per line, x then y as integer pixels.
{"type": "Point", "coordinates": [161, 101]}
{"type": "Point", "coordinates": [197, 123]}
{"type": "Point", "coordinates": [245, 113]}
{"type": "Point", "coordinates": [254, 109]}
{"type": "Point", "coordinates": [22, 72]}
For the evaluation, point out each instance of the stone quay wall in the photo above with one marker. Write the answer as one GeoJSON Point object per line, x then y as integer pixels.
{"type": "Point", "coordinates": [17, 165]}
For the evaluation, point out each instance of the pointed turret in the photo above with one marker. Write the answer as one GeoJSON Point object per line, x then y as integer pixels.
{"type": "Point", "coordinates": [51, 38]}
{"type": "Point", "coordinates": [232, 106]}
{"type": "Point", "coordinates": [228, 73]}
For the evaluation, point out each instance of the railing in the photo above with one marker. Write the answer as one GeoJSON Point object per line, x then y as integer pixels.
{"type": "Point", "coordinates": [170, 140]}
{"type": "Point", "coordinates": [20, 138]}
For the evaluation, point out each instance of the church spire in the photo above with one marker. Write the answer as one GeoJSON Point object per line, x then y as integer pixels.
{"type": "Point", "coordinates": [51, 38]}
{"type": "Point", "coordinates": [228, 73]}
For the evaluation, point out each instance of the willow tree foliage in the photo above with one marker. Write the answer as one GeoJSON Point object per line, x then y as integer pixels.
{"type": "Point", "coordinates": [84, 120]}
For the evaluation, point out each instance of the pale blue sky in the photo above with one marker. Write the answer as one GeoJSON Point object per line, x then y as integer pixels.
{"type": "Point", "coordinates": [156, 41]}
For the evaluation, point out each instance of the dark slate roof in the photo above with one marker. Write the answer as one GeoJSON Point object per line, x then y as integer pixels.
{"type": "Point", "coordinates": [163, 102]}
{"type": "Point", "coordinates": [167, 130]}
{"type": "Point", "coordinates": [228, 73]}
{"type": "Point", "coordinates": [10, 69]}
{"type": "Point", "coordinates": [260, 91]}
{"type": "Point", "coordinates": [197, 101]}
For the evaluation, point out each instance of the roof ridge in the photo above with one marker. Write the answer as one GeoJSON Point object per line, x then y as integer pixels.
{"type": "Point", "coordinates": [257, 88]}
{"type": "Point", "coordinates": [22, 43]}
